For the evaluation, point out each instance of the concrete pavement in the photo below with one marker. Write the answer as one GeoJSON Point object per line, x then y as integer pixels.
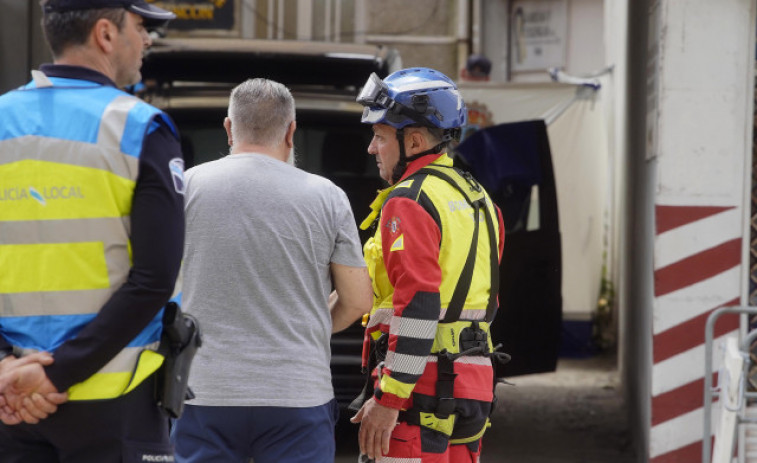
{"type": "Point", "coordinates": [573, 415]}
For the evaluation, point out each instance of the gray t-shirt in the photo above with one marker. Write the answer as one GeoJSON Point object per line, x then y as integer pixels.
{"type": "Point", "coordinates": [260, 237]}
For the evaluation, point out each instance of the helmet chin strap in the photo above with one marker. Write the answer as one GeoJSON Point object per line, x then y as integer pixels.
{"type": "Point", "coordinates": [401, 166]}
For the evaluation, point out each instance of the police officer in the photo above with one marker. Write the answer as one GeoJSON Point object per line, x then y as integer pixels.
{"type": "Point", "coordinates": [433, 261]}
{"type": "Point", "coordinates": [92, 230]}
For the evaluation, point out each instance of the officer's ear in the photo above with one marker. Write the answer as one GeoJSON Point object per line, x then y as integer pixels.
{"type": "Point", "coordinates": [103, 35]}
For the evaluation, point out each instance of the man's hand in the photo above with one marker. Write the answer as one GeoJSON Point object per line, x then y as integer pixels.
{"type": "Point", "coordinates": [376, 425]}
{"type": "Point", "coordinates": [27, 393]}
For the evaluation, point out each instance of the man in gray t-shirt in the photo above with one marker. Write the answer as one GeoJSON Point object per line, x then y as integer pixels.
{"type": "Point", "coordinates": [265, 242]}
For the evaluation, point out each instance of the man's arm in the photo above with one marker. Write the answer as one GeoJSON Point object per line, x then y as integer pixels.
{"type": "Point", "coordinates": [410, 242]}
{"type": "Point", "coordinates": [410, 245]}
{"type": "Point", "coordinates": [157, 239]}
{"type": "Point", "coordinates": [352, 296]}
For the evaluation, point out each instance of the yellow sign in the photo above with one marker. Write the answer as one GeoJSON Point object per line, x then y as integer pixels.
{"type": "Point", "coordinates": [199, 14]}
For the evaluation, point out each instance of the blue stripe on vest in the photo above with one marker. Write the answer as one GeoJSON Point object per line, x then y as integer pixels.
{"type": "Point", "coordinates": [47, 112]}
{"type": "Point", "coordinates": [48, 332]}
{"type": "Point", "coordinates": [38, 117]}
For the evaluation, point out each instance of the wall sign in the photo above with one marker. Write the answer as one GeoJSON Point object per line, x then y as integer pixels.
{"type": "Point", "coordinates": [538, 31]}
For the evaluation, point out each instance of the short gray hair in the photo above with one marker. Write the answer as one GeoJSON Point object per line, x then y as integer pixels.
{"type": "Point", "coordinates": [434, 135]}
{"type": "Point", "coordinates": [260, 111]}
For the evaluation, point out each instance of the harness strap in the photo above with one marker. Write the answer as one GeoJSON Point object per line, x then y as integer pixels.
{"type": "Point", "coordinates": [445, 385]}
{"type": "Point", "coordinates": [377, 353]}
{"type": "Point", "coordinates": [491, 310]}
{"type": "Point", "coordinates": [457, 302]}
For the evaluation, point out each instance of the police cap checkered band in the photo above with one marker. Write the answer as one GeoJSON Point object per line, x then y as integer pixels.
{"type": "Point", "coordinates": [139, 7]}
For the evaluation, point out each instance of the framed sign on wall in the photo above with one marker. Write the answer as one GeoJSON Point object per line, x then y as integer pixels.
{"type": "Point", "coordinates": [538, 31]}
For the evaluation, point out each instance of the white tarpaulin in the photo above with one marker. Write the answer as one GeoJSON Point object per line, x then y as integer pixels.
{"type": "Point", "coordinates": [577, 133]}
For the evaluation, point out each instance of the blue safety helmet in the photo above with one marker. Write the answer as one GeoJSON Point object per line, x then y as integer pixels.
{"type": "Point", "coordinates": [419, 96]}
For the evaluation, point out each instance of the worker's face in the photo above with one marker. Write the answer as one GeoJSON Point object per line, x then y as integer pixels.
{"type": "Point", "coordinates": [132, 41]}
{"type": "Point", "coordinates": [386, 149]}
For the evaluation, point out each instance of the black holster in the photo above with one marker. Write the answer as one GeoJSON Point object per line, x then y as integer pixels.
{"type": "Point", "coordinates": [179, 342]}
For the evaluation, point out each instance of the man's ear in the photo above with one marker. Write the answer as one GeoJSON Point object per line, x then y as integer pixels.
{"type": "Point", "coordinates": [290, 134]}
{"type": "Point", "coordinates": [103, 35]}
{"type": "Point", "coordinates": [417, 142]}
{"type": "Point", "coordinates": [227, 127]}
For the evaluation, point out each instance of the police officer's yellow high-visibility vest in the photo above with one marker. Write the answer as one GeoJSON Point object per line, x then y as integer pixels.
{"type": "Point", "coordinates": [69, 158]}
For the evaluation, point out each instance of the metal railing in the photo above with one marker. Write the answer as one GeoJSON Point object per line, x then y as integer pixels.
{"type": "Point", "coordinates": [709, 392]}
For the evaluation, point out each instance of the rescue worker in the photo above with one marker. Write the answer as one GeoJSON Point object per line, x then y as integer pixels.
{"type": "Point", "coordinates": [434, 264]}
{"type": "Point", "coordinates": [92, 228]}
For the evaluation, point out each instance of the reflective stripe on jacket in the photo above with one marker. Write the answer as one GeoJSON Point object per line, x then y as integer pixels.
{"type": "Point", "coordinates": [407, 365]}
{"type": "Point", "coordinates": [70, 160]}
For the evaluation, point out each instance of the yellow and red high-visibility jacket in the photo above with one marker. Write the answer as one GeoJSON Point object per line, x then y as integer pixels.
{"type": "Point", "coordinates": [415, 259]}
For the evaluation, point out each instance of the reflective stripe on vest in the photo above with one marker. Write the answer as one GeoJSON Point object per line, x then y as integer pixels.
{"type": "Point", "coordinates": [452, 255]}
{"type": "Point", "coordinates": [70, 160]}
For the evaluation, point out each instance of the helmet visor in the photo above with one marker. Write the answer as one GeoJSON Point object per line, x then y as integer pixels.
{"type": "Point", "coordinates": [375, 93]}
{"type": "Point", "coordinates": [373, 116]}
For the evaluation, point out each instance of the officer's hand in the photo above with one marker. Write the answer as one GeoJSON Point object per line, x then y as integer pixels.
{"type": "Point", "coordinates": [8, 414]}
{"type": "Point", "coordinates": [27, 393]}
{"type": "Point", "coordinates": [9, 362]}
{"type": "Point", "coordinates": [35, 407]}
{"type": "Point", "coordinates": [376, 425]}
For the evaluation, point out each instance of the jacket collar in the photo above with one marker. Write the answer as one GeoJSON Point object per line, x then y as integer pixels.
{"type": "Point", "coordinates": [76, 72]}
{"type": "Point", "coordinates": [414, 166]}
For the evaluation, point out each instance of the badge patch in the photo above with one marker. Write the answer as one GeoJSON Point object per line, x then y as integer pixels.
{"type": "Point", "coordinates": [393, 224]}
{"type": "Point", "coordinates": [399, 244]}
{"type": "Point", "coordinates": [176, 166]}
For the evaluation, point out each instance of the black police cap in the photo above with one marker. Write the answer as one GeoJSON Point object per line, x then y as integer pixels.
{"type": "Point", "coordinates": [139, 7]}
